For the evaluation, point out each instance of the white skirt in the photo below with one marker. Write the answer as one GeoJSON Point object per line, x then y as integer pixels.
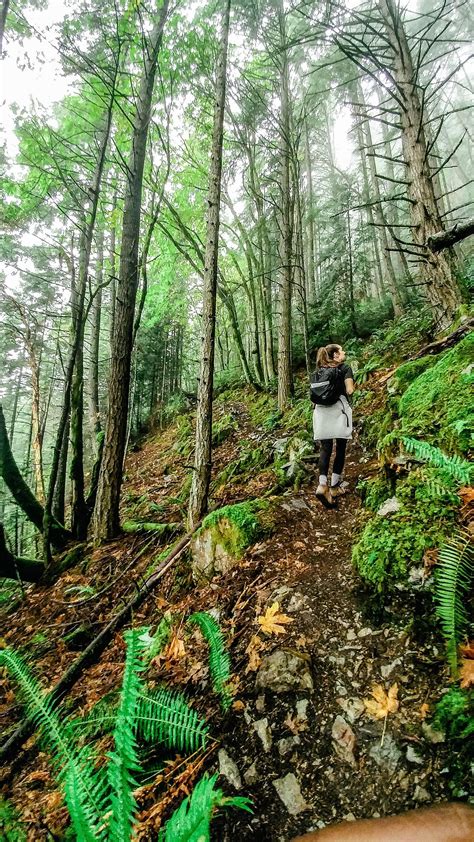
{"type": "Point", "coordinates": [333, 422]}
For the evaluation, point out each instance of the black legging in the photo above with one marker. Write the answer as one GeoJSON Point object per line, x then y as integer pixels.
{"type": "Point", "coordinates": [325, 456]}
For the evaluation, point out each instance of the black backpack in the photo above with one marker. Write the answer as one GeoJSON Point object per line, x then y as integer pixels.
{"type": "Point", "coordinates": [327, 386]}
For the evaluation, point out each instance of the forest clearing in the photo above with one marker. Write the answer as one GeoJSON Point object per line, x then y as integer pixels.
{"type": "Point", "coordinates": [233, 234]}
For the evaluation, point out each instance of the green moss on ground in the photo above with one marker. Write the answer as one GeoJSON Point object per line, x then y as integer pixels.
{"type": "Point", "coordinates": [222, 429]}
{"type": "Point", "coordinates": [375, 491]}
{"type": "Point", "coordinates": [239, 526]}
{"type": "Point", "coordinates": [438, 405]}
{"type": "Point", "coordinates": [389, 546]}
{"type": "Point", "coordinates": [454, 714]}
{"type": "Point", "coordinates": [408, 372]}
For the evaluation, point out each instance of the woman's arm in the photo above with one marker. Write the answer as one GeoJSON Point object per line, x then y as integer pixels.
{"type": "Point", "coordinates": [350, 386]}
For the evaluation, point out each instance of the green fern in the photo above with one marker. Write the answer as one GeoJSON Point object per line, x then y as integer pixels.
{"type": "Point", "coordinates": [191, 821]}
{"type": "Point", "coordinates": [84, 788]}
{"type": "Point", "coordinates": [159, 640]}
{"type": "Point", "coordinates": [123, 760]}
{"type": "Point", "coordinates": [457, 467]}
{"type": "Point", "coordinates": [219, 661]}
{"type": "Point", "coordinates": [453, 578]}
{"type": "Point", "coordinates": [165, 717]}
{"type": "Point", "coordinates": [12, 829]}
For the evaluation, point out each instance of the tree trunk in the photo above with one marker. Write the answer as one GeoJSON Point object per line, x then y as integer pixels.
{"type": "Point", "coordinates": [94, 408]}
{"type": "Point", "coordinates": [106, 513]}
{"type": "Point", "coordinates": [284, 327]}
{"type": "Point", "coordinates": [311, 272]}
{"type": "Point", "coordinates": [3, 20]}
{"type": "Point", "coordinates": [59, 498]}
{"type": "Point", "coordinates": [437, 269]}
{"type": "Point", "coordinates": [21, 493]}
{"type": "Point", "coordinates": [202, 465]}
{"type": "Point", "coordinates": [15, 567]}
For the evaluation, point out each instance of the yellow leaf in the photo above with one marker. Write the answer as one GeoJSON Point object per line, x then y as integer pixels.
{"type": "Point", "coordinates": [272, 622]}
{"type": "Point", "coordinates": [424, 710]}
{"type": "Point", "coordinates": [382, 703]}
{"type": "Point", "coordinates": [252, 651]}
{"type": "Point", "coordinates": [238, 705]}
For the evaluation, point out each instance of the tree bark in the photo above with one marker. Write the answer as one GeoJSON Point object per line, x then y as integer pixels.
{"type": "Point", "coordinates": [284, 326]}
{"type": "Point", "coordinates": [15, 567]}
{"type": "Point", "coordinates": [106, 513]}
{"type": "Point", "coordinates": [198, 497]}
{"type": "Point", "coordinates": [446, 239]}
{"type": "Point", "coordinates": [437, 269]}
{"type": "Point", "coordinates": [96, 309]}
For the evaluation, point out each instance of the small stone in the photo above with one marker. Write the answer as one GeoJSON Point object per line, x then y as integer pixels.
{"type": "Point", "coordinates": [388, 755]}
{"type": "Point", "coordinates": [283, 671]}
{"type": "Point", "coordinates": [344, 740]}
{"type": "Point", "coordinates": [287, 744]}
{"type": "Point", "coordinates": [289, 792]}
{"type": "Point", "coordinates": [260, 703]}
{"type": "Point", "coordinates": [364, 632]}
{"type": "Point", "coordinates": [349, 817]}
{"type": "Point", "coordinates": [390, 507]}
{"type": "Point", "coordinates": [301, 708]}
{"type": "Point", "coordinates": [351, 635]}
{"type": "Point", "coordinates": [263, 731]}
{"type": "Point", "coordinates": [387, 669]}
{"type": "Point", "coordinates": [279, 594]}
{"type": "Point", "coordinates": [421, 795]}
{"type": "Point", "coordinates": [353, 708]}
{"type": "Point", "coordinates": [413, 756]}
{"type": "Point", "coordinates": [431, 734]}
{"type": "Point", "coordinates": [298, 602]}
{"type": "Point", "coordinates": [251, 776]}
{"type": "Point", "coordinates": [229, 770]}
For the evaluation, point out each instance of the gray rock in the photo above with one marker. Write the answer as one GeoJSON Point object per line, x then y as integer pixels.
{"type": "Point", "coordinates": [260, 703]}
{"type": "Point", "coordinates": [387, 669]}
{"type": "Point", "coordinates": [421, 795]}
{"type": "Point", "coordinates": [344, 740]}
{"type": "Point", "coordinates": [251, 776]}
{"type": "Point", "coordinates": [366, 632]}
{"type": "Point", "coordinates": [289, 792]}
{"type": "Point", "coordinates": [351, 635]}
{"type": "Point", "coordinates": [228, 769]}
{"type": "Point", "coordinates": [352, 707]}
{"type": "Point", "coordinates": [283, 671]}
{"type": "Point", "coordinates": [209, 557]}
{"type": "Point", "coordinates": [279, 594]}
{"type": "Point", "coordinates": [264, 732]}
{"type": "Point", "coordinates": [295, 504]}
{"type": "Point", "coordinates": [431, 734]}
{"type": "Point", "coordinates": [413, 756]}
{"type": "Point", "coordinates": [298, 602]}
{"type": "Point", "coordinates": [388, 755]}
{"type": "Point", "coordinates": [287, 744]}
{"type": "Point", "coordinates": [301, 708]}
{"type": "Point", "coordinates": [390, 507]}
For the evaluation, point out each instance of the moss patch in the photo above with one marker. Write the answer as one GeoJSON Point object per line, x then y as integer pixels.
{"type": "Point", "coordinates": [439, 404]}
{"type": "Point", "coordinates": [237, 527]}
{"type": "Point", "coordinates": [408, 372]}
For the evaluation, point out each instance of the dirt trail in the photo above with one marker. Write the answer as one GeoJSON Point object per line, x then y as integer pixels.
{"type": "Point", "coordinates": [313, 757]}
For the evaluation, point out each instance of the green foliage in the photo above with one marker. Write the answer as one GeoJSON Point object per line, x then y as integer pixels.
{"type": "Point", "coordinates": [183, 443]}
{"type": "Point", "coordinates": [299, 416]}
{"type": "Point", "coordinates": [160, 638]}
{"type": "Point", "coordinates": [236, 527]}
{"type": "Point", "coordinates": [251, 460]}
{"type": "Point", "coordinates": [439, 405]}
{"type": "Point", "coordinates": [389, 546]}
{"type": "Point", "coordinates": [362, 374]}
{"type": "Point", "coordinates": [164, 717]}
{"type": "Point", "coordinates": [262, 408]}
{"type": "Point", "coordinates": [11, 827]}
{"type": "Point", "coordinates": [408, 372]}
{"type": "Point", "coordinates": [453, 580]}
{"type": "Point", "coordinates": [456, 467]}
{"type": "Point", "coordinates": [401, 337]}
{"type": "Point", "coordinates": [219, 661]}
{"type": "Point", "coordinates": [375, 491]}
{"type": "Point", "coordinates": [191, 821]}
{"type": "Point", "coordinates": [454, 714]}
{"type": "Point", "coordinates": [222, 429]}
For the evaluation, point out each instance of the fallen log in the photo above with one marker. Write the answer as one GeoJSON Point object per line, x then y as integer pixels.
{"type": "Point", "coordinates": [95, 647]}
{"type": "Point", "coordinates": [16, 567]}
{"type": "Point", "coordinates": [447, 341]}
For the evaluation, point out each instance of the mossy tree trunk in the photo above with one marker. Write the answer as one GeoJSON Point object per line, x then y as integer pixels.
{"type": "Point", "coordinates": [202, 465]}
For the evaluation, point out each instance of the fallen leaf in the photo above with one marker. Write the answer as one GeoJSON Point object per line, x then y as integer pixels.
{"type": "Point", "coordinates": [382, 703]}
{"type": "Point", "coordinates": [466, 673]}
{"type": "Point", "coordinates": [252, 651]}
{"type": "Point", "coordinates": [238, 705]}
{"type": "Point", "coordinates": [295, 725]}
{"type": "Point", "coordinates": [272, 622]}
{"type": "Point", "coordinates": [424, 710]}
{"type": "Point", "coordinates": [467, 651]}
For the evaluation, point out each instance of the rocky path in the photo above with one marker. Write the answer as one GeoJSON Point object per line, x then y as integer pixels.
{"type": "Point", "coordinates": [302, 744]}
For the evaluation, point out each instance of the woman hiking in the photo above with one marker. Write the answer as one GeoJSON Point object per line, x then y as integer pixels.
{"type": "Point", "coordinates": [331, 385]}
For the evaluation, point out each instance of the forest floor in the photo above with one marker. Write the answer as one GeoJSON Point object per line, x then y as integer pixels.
{"type": "Point", "coordinates": [298, 740]}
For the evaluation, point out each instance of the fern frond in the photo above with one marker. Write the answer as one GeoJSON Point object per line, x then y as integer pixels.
{"type": "Point", "coordinates": [123, 760]}
{"type": "Point", "coordinates": [165, 717]}
{"type": "Point", "coordinates": [219, 661]}
{"type": "Point", "coordinates": [75, 766]}
{"type": "Point", "coordinates": [192, 820]}
{"type": "Point", "coordinates": [457, 467]}
{"type": "Point", "coordinates": [453, 577]}
{"type": "Point", "coordinates": [159, 640]}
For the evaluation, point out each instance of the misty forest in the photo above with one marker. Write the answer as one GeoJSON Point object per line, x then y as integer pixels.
{"type": "Point", "coordinates": [208, 208]}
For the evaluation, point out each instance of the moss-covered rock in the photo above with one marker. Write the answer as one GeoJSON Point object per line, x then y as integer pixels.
{"type": "Point", "coordinates": [407, 373]}
{"type": "Point", "coordinates": [438, 405]}
{"type": "Point", "coordinates": [224, 536]}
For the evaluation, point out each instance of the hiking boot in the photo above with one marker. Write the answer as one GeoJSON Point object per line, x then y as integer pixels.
{"type": "Point", "coordinates": [338, 490]}
{"type": "Point", "coordinates": [325, 497]}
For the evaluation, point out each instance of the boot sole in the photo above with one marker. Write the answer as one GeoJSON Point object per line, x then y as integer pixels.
{"type": "Point", "coordinates": [327, 505]}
